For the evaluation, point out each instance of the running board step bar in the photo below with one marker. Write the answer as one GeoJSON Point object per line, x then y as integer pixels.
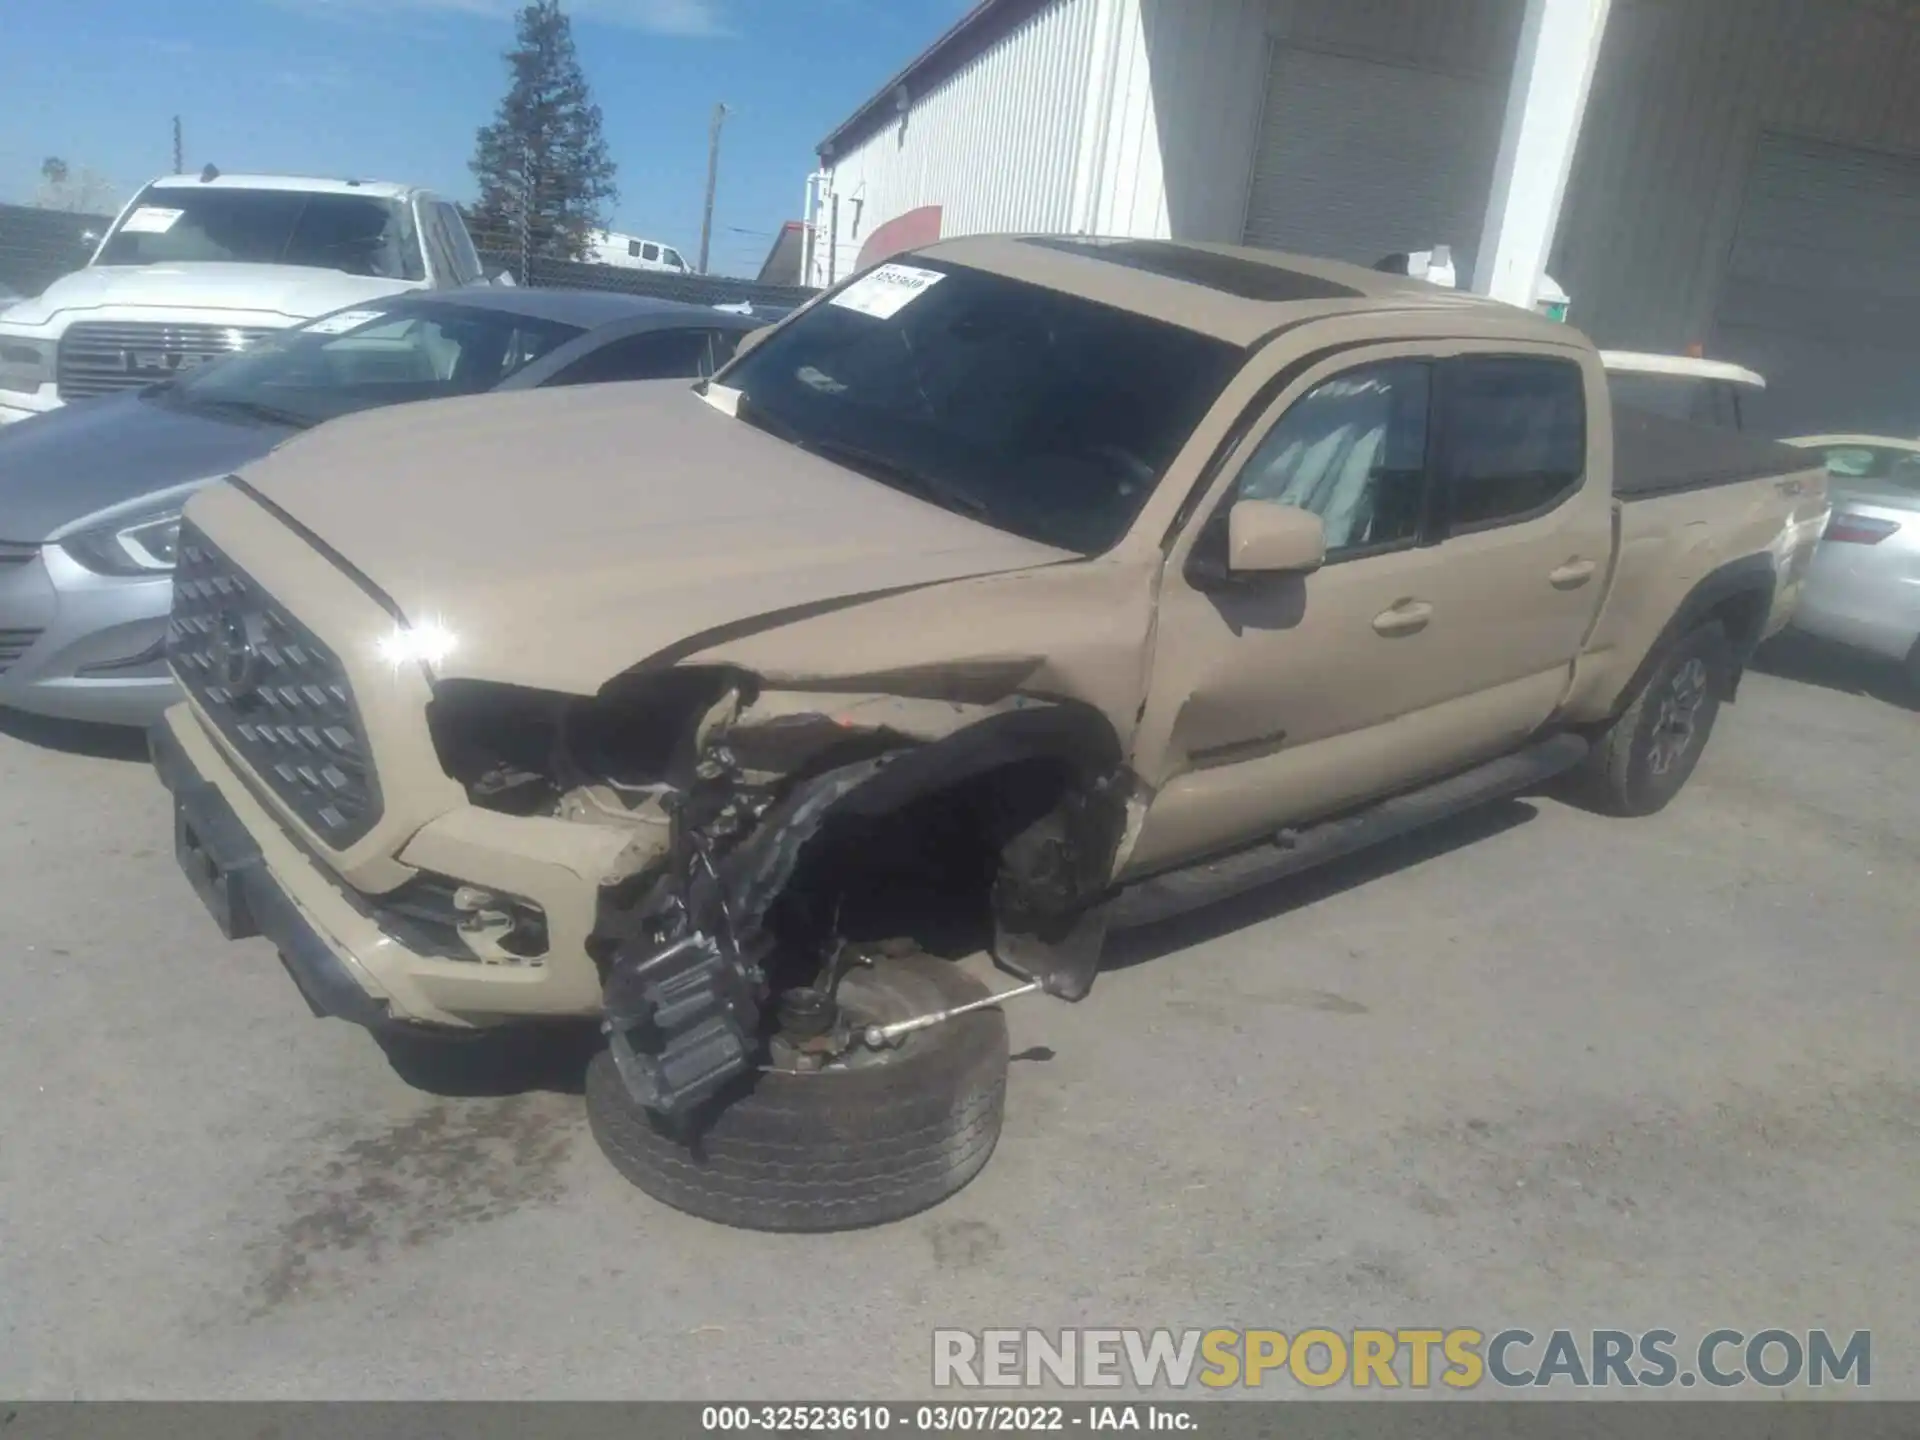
{"type": "Point", "coordinates": [1175, 892]}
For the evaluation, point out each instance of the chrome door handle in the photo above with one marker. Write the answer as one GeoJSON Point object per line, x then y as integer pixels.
{"type": "Point", "coordinates": [1406, 618]}
{"type": "Point", "coordinates": [1573, 574]}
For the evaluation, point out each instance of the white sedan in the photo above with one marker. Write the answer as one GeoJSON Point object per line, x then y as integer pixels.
{"type": "Point", "coordinates": [1863, 589]}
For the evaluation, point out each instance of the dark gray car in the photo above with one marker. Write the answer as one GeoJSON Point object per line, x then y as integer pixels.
{"type": "Point", "coordinates": [90, 494]}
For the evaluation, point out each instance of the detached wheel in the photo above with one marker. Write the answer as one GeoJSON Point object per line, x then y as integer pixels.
{"type": "Point", "coordinates": [1647, 755]}
{"type": "Point", "coordinates": [879, 1138]}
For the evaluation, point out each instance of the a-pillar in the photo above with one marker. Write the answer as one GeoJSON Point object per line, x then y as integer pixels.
{"type": "Point", "coordinates": [1552, 73]}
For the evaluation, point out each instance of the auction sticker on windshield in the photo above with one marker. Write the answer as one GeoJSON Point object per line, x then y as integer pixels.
{"type": "Point", "coordinates": [150, 220]}
{"type": "Point", "coordinates": [887, 291]}
{"type": "Point", "coordinates": [343, 322]}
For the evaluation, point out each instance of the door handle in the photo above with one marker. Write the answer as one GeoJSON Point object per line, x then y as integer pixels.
{"type": "Point", "coordinates": [1406, 618]}
{"type": "Point", "coordinates": [1573, 574]}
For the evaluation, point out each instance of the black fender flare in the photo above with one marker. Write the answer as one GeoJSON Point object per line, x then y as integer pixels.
{"type": "Point", "coordinates": [754, 873]}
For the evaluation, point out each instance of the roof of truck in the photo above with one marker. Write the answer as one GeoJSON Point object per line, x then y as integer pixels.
{"type": "Point", "coordinates": [305, 184]}
{"type": "Point", "coordinates": [1230, 291]}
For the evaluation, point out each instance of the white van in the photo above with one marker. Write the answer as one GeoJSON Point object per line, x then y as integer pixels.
{"type": "Point", "coordinates": [632, 252]}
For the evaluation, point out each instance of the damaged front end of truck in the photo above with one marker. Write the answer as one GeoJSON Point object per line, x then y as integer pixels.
{"type": "Point", "coordinates": [785, 836]}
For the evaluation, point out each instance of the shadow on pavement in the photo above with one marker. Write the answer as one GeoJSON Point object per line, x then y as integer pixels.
{"type": "Point", "coordinates": [1167, 937]}
{"type": "Point", "coordinates": [1833, 667]}
{"type": "Point", "coordinates": [76, 737]}
{"type": "Point", "coordinates": [515, 1061]}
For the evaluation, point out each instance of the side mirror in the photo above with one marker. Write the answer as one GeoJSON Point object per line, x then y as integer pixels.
{"type": "Point", "coordinates": [1265, 538]}
{"type": "Point", "coordinates": [749, 340]}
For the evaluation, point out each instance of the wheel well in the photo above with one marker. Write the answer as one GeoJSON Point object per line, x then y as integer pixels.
{"type": "Point", "coordinates": [1738, 596]}
{"type": "Point", "coordinates": [1742, 614]}
{"type": "Point", "coordinates": [923, 872]}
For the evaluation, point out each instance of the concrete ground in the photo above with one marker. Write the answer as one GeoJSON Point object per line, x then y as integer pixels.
{"type": "Point", "coordinates": [1538, 1069]}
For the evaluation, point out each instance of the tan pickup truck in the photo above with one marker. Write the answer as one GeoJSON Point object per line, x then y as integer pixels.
{"type": "Point", "coordinates": [1016, 590]}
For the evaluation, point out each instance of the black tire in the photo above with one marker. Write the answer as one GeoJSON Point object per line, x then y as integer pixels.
{"type": "Point", "coordinates": [1644, 758]}
{"type": "Point", "coordinates": [837, 1149]}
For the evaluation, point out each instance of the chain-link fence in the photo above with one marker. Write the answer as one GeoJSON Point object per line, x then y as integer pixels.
{"type": "Point", "coordinates": [497, 254]}
{"type": "Point", "coordinates": [38, 246]}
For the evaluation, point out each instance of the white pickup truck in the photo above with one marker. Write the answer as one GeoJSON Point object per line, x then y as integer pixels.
{"type": "Point", "coordinates": [196, 267]}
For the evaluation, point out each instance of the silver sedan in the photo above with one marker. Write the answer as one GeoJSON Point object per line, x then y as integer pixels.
{"type": "Point", "coordinates": [1863, 589]}
{"type": "Point", "coordinates": [90, 494]}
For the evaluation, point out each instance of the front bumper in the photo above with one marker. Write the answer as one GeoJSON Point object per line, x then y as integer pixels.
{"type": "Point", "coordinates": [348, 950]}
{"type": "Point", "coordinates": [229, 872]}
{"type": "Point", "coordinates": [81, 646]}
{"type": "Point", "coordinates": [25, 404]}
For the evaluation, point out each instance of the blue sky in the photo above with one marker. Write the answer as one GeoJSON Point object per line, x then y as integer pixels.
{"type": "Point", "coordinates": [394, 90]}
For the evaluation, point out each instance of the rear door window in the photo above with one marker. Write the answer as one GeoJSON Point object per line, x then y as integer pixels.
{"type": "Point", "coordinates": [1513, 441]}
{"type": "Point", "coordinates": [656, 355]}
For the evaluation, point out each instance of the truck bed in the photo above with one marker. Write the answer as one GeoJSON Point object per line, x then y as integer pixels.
{"type": "Point", "coordinates": [1656, 455]}
{"type": "Point", "coordinates": [1690, 499]}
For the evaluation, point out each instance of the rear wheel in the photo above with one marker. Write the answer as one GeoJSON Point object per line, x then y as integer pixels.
{"type": "Point", "coordinates": [877, 1138]}
{"type": "Point", "coordinates": [1649, 752]}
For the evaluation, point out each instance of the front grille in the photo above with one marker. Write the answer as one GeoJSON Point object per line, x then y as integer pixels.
{"type": "Point", "coordinates": [14, 644]}
{"type": "Point", "coordinates": [12, 552]}
{"type": "Point", "coordinates": [98, 357]}
{"type": "Point", "coordinates": [277, 693]}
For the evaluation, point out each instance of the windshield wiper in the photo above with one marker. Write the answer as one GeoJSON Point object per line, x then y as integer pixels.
{"type": "Point", "coordinates": [874, 466]}
{"type": "Point", "coordinates": [902, 477]}
{"type": "Point", "coordinates": [251, 409]}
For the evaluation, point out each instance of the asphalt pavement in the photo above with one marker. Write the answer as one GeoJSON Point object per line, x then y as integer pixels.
{"type": "Point", "coordinates": [1537, 1068]}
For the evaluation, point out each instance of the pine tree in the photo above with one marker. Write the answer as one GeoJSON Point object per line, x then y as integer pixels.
{"type": "Point", "coordinates": [543, 153]}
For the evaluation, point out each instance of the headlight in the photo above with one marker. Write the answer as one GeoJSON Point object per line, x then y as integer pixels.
{"type": "Point", "coordinates": [25, 365]}
{"type": "Point", "coordinates": [144, 546]}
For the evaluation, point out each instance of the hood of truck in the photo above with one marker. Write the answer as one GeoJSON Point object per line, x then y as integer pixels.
{"type": "Point", "coordinates": [291, 291]}
{"type": "Point", "coordinates": [556, 538]}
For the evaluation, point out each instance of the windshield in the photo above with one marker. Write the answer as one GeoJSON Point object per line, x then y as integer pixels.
{"type": "Point", "coordinates": [358, 234]}
{"type": "Point", "coordinates": [359, 359]}
{"type": "Point", "coordinates": [1041, 413]}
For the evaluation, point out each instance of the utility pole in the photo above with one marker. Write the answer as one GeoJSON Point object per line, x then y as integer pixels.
{"type": "Point", "coordinates": [179, 150]}
{"type": "Point", "coordinates": [720, 113]}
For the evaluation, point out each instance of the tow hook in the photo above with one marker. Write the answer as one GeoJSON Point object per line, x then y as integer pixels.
{"type": "Point", "coordinates": [884, 1037]}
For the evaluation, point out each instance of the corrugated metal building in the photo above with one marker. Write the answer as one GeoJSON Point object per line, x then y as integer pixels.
{"type": "Point", "coordinates": [1746, 179]}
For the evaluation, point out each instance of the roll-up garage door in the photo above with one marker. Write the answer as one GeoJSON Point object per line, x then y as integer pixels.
{"type": "Point", "coordinates": [1821, 292]}
{"type": "Point", "coordinates": [1358, 160]}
